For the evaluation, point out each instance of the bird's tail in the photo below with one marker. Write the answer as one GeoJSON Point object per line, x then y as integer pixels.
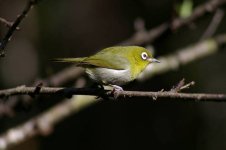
{"type": "Point", "coordinates": [69, 60]}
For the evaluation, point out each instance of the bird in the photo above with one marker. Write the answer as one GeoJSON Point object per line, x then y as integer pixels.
{"type": "Point", "coordinates": [114, 66]}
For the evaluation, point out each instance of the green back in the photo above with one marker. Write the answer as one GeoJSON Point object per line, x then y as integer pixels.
{"type": "Point", "coordinates": [112, 58]}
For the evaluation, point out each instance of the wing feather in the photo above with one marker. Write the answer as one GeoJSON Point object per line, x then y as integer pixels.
{"type": "Point", "coordinates": [70, 60]}
{"type": "Point", "coordinates": [105, 61]}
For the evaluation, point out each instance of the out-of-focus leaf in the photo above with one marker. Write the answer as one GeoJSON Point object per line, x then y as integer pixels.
{"type": "Point", "coordinates": [185, 9]}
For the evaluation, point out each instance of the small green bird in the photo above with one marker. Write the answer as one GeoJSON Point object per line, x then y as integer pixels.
{"type": "Point", "coordinates": [114, 66]}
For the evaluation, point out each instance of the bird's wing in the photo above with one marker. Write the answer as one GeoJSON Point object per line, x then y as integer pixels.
{"type": "Point", "coordinates": [105, 61]}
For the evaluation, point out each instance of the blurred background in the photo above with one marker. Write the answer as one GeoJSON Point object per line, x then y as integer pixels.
{"type": "Point", "coordinates": [79, 28]}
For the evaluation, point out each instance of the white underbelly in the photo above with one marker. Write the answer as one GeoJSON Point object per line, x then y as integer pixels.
{"type": "Point", "coordinates": [109, 76]}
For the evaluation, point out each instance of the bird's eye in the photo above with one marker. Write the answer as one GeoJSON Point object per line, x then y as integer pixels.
{"type": "Point", "coordinates": [144, 55]}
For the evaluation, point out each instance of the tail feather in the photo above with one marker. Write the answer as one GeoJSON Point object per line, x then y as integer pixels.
{"type": "Point", "coordinates": [69, 60]}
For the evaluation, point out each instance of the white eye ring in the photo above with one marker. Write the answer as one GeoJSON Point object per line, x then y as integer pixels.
{"type": "Point", "coordinates": [144, 55]}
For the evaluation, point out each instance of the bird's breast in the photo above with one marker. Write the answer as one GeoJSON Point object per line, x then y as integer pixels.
{"type": "Point", "coordinates": [109, 76]}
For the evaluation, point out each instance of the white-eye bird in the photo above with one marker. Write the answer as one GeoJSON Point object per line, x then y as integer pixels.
{"type": "Point", "coordinates": [116, 65]}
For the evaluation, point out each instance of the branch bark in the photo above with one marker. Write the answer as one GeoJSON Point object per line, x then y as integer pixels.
{"type": "Point", "coordinates": [68, 92]}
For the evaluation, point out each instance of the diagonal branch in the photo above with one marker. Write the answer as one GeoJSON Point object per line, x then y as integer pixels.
{"type": "Point", "coordinates": [217, 18]}
{"type": "Point", "coordinates": [14, 26]}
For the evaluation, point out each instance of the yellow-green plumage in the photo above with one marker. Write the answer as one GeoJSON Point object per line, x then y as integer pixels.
{"type": "Point", "coordinates": [114, 65]}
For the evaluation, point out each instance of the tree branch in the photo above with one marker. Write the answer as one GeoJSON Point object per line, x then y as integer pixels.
{"type": "Point", "coordinates": [68, 92]}
{"type": "Point", "coordinates": [14, 26]}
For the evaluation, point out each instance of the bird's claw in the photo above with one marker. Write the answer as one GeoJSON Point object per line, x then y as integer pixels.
{"type": "Point", "coordinates": [116, 90]}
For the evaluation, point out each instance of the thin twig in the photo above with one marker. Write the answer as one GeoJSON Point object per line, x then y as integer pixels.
{"type": "Point", "coordinates": [181, 86]}
{"type": "Point", "coordinates": [23, 90]}
{"type": "Point", "coordinates": [14, 26]}
{"type": "Point", "coordinates": [187, 86]}
{"type": "Point", "coordinates": [7, 23]}
{"type": "Point", "coordinates": [177, 88]}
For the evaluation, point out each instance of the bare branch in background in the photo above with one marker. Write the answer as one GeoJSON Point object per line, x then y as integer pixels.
{"type": "Point", "coordinates": [64, 76]}
{"type": "Point", "coordinates": [44, 123]}
{"type": "Point", "coordinates": [144, 36]}
{"type": "Point", "coordinates": [217, 18]}
{"type": "Point", "coordinates": [199, 11]}
{"type": "Point", "coordinates": [14, 26]}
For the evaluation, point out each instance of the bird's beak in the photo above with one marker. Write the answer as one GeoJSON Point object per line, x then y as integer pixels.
{"type": "Point", "coordinates": [153, 60]}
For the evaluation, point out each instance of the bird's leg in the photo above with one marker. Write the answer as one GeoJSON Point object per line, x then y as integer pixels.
{"type": "Point", "coordinates": [100, 87]}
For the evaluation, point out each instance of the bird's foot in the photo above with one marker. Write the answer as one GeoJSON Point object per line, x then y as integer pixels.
{"type": "Point", "coordinates": [116, 90]}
